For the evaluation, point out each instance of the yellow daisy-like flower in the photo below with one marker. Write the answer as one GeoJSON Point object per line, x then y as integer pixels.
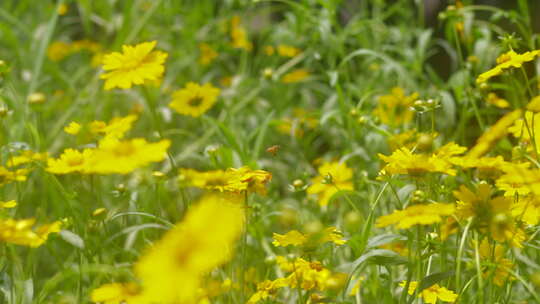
{"type": "Point", "coordinates": [207, 54]}
{"type": "Point", "coordinates": [416, 215]}
{"type": "Point", "coordinates": [492, 214]}
{"type": "Point", "coordinates": [496, 132]}
{"type": "Point", "coordinates": [134, 66]}
{"type": "Point", "coordinates": [70, 161]}
{"type": "Point", "coordinates": [297, 75]}
{"type": "Point", "coordinates": [527, 209]}
{"type": "Point", "coordinates": [432, 293]}
{"type": "Point", "coordinates": [9, 204]}
{"type": "Point", "coordinates": [230, 180]}
{"type": "Point", "coordinates": [395, 109]}
{"type": "Point", "coordinates": [123, 156]}
{"type": "Point", "coordinates": [194, 99]}
{"type": "Point", "coordinates": [333, 177]}
{"type": "Point", "coordinates": [116, 128]}
{"type": "Point", "coordinates": [399, 247]}
{"type": "Point", "coordinates": [172, 270]}
{"type": "Point", "coordinates": [495, 100]}
{"type": "Point", "coordinates": [403, 161]}
{"type": "Point", "coordinates": [7, 176]}
{"type": "Point", "coordinates": [116, 293]}
{"type": "Point", "coordinates": [266, 289]}
{"type": "Point", "coordinates": [534, 105]}
{"type": "Point", "coordinates": [498, 266]}
{"type": "Point", "coordinates": [72, 128]}
{"type": "Point", "coordinates": [518, 179]}
{"type": "Point", "coordinates": [287, 50]}
{"type": "Point", "coordinates": [239, 35]}
{"type": "Point", "coordinates": [296, 238]}
{"type": "Point", "coordinates": [506, 61]}
{"type": "Point", "coordinates": [58, 50]}
{"type": "Point", "coordinates": [308, 275]}
{"type": "Point", "coordinates": [25, 157]}
{"type": "Point", "coordinates": [20, 232]}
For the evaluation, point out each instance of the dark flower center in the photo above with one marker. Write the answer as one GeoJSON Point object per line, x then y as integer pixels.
{"type": "Point", "coordinates": [195, 101]}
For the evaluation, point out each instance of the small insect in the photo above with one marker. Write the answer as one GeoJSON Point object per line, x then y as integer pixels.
{"type": "Point", "coordinates": [273, 149]}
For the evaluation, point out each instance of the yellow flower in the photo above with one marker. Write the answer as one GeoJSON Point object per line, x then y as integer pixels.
{"type": "Point", "coordinates": [116, 293]}
{"type": "Point", "coordinates": [135, 65]}
{"type": "Point", "coordinates": [123, 156]}
{"type": "Point", "coordinates": [403, 161]}
{"type": "Point", "coordinates": [305, 274]}
{"type": "Point", "coordinates": [333, 177]}
{"type": "Point", "coordinates": [207, 54]}
{"type": "Point", "coordinates": [58, 50]}
{"type": "Point", "coordinates": [506, 61]}
{"type": "Point", "coordinates": [7, 176]}
{"type": "Point", "coordinates": [20, 232]}
{"type": "Point", "coordinates": [449, 227]}
{"type": "Point", "coordinates": [231, 180]}
{"type": "Point", "coordinates": [246, 179]}
{"type": "Point", "coordinates": [527, 209]}
{"type": "Point", "coordinates": [269, 50]}
{"type": "Point", "coordinates": [292, 237]}
{"type": "Point", "coordinates": [296, 238]}
{"type": "Point", "coordinates": [116, 128]}
{"type": "Point", "coordinates": [395, 109]}
{"type": "Point", "coordinates": [407, 139]}
{"type": "Point", "coordinates": [432, 293]}
{"type": "Point", "coordinates": [498, 267]}
{"type": "Point", "coordinates": [62, 9]}
{"type": "Point", "coordinates": [356, 287]}
{"type": "Point", "coordinates": [25, 157]}
{"type": "Point", "coordinates": [416, 215]}
{"type": "Point", "coordinates": [211, 180]}
{"type": "Point", "coordinates": [295, 76]}
{"type": "Point", "coordinates": [287, 51]}
{"type": "Point", "coordinates": [266, 289]}
{"type": "Point", "coordinates": [8, 204]}
{"type": "Point", "coordinates": [492, 214]}
{"type": "Point", "coordinates": [399, 247]}
{"type": "Point", "coordinates": [72, 128]}
{"type": "Point", "coordinates": [70, 161]}
{"type": "Point", "coordinates": [172, 270]}
{"type": "Point", "coordinates": [239, 35]}
{"type": "Point", "coordinates": [495, 100]}
{"type": "Point", "coordinates": [496, 132]}
{"type": "Point", "coordinates": [534, 104]}
{"type": "Point", "coordinates": [519, 180]}
{"type": "Point", "coordinates": [523, 128]}
{"type": "Point", "coordinates": [194, 99]}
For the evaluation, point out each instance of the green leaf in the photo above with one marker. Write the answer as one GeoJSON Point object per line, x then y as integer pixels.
{"type": "Point", "coordinates": [72, 238]}
{"type": "Point", "coordinates": [379, 257]}
{"type": "Point", "coordinates": [432, 279]}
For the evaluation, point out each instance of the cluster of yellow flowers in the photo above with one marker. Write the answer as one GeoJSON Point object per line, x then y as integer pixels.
{"type": "Point", "coordinates": [59, 50]}
{"type": "Point", "coordinates": [203, 241]}
{"type": "Point", "coordinates": [21, 232]}
{"type": "Point", "coordinates": [113, 153]}
{"type": "Point", "coordinates": [303, 274]}
{"type": "Point", "coordinates": [230, 180]}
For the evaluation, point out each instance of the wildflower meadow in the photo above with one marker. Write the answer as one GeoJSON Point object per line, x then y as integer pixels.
{"type": "Point", "coordinates": [269, 151]}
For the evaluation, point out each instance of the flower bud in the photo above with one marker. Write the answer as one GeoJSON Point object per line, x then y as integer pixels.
{"type": "Point", "coordinates": [36, 98]}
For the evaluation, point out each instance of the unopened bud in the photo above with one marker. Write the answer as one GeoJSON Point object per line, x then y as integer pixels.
{"type": "Point", "coordinates": [36, 98]}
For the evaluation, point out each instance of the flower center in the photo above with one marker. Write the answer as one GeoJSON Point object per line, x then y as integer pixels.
{"type": "Point", "coordinates": [75, 161]}
{"type": "Point", "coordinates": [124, 149]}
{"type": "Point", "coordinates": [195, 101]}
